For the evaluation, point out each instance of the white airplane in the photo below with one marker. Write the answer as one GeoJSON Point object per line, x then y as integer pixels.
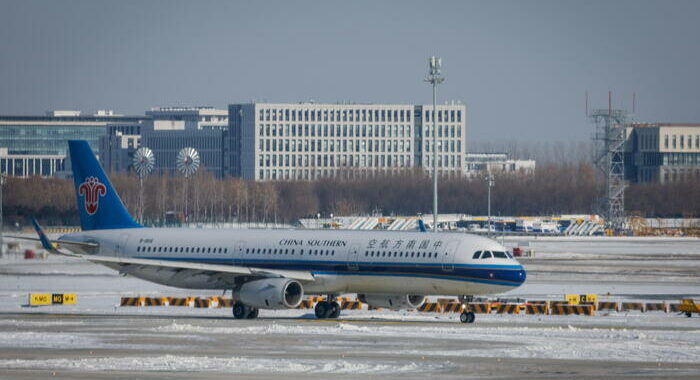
{"type": "Point", "coordinates": [274, 269]}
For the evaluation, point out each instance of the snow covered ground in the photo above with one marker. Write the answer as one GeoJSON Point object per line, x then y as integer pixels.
{"type": "Point", "coordinates": [98, 339]}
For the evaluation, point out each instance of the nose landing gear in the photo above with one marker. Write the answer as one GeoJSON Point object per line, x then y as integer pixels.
{"type": "Point", "coordinates": [467, 315]}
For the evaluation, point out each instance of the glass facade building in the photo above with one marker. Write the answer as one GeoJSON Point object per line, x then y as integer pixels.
{"type": "Point", "coordinates": [38, 145]}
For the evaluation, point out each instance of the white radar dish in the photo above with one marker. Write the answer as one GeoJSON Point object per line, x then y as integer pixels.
{"type": "Point", "coordinates": [144, 161]}
{"type": "Point", "coordinates": [187, 161]}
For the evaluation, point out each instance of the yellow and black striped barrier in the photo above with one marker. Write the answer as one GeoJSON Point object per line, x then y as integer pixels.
{"type": "Point", "coordinates": [351, 305]}
{"type": "Point", "coordinates": [656, 306]}
{"type": "Point", "coordinates": [306, 304]}
{"type": "Point", "coordinates": [480, 308]}
{"type": "Point", "coordinates": [429, 307]}
{"type": "Point", "coordinates": [132, 301]}
{"type": "Point", "coordinates": [179, 301]}
{"type": "Point", "coordinates": [572, 310]}
{"type": "Point", "coordinates": [45, 299]}
{"type": "Point", "coordinates": [155, 301]}
{"type": "Point", "coordinates": [202, 303]}
{"type": "Point", "coordinates": [451, 307]}
{"type": "Point", "coordinates": [630, 306]}
{"type": "Point", "coordinates": [508, 308]}
{"type": "Point", "coordinates": [607, 305]}
{"type": "Point", "coordinates": [536, 308]}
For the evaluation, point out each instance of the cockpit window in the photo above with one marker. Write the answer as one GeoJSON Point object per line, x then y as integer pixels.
{"type": "Point", "coordinates": [476, 255]}
{"type": "Point", "coordinates": [486, 255]}
{"type": "Point", "coordinates": [500, 254]}
{"type": "Point", "coordinates": [509, 255]}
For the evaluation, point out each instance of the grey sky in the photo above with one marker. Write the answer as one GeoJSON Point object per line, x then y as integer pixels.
{"type": "Point", "coordinates": [522, 67]}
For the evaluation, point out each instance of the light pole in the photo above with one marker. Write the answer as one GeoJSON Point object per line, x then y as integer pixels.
{"type": "Point", "coordinates": [435, 78]}
{"type": "Point", "coordinates": [490, 182]}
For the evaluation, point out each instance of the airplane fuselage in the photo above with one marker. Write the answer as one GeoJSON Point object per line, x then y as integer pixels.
{"type": "Point", "coordinates": [383, 262]}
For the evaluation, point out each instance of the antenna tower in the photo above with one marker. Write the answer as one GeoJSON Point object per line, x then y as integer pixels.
{"type": "Point", "coordinates": [610, 136]}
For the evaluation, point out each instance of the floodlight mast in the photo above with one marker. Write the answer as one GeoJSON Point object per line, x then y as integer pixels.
{"type": "Point", "coordinates": [435, 78]}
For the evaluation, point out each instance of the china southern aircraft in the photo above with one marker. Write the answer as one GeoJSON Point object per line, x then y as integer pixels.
{"type": "Point", "coordinates": [273, 269]}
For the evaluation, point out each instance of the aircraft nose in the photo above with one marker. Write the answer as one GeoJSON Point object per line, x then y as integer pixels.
{"type": "Point", "coordinates": [522, 274]}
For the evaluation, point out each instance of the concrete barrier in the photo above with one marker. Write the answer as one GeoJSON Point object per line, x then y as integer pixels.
{"type": "Point", "coordinates": [631, 306]}
{"type": "Point", "coordinates": [351, 305]}
{"type": "Point", "coordinates": [674, 307]}
{"type": "Point", "coordinates": [429, 307]}
{"type": "Point", "coordinates": [656, 306]}
{"type": "Point", "coordinates": [202, 303]}
{"type": "Point", "coordinates": [132, 301]}
{"type": "Point", "coordinates": [572, 310]}
{"type": "Point", "coordinates": [306, 304]}
{"type": "Point", "coordinates": [451, 307]}
{"type": "Point", "coordinates": [607, 305]}
{"type": "Point", "coordinates": [155, 301]}
{"type": "Point", "coordinates": [508, 308]}
{"type": "Point", "coordinates": [537, 309]}
{"type": "Point", "coordinates": [480, 308]}
{"type": "Point", "coordinates": [179, 301]}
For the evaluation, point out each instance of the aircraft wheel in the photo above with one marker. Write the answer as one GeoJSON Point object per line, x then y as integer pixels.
{"type": "Point", "coordinates": [321, 310]}
{"type": "Point", "coordinates": [240, 310]}
{"type": "Point", "coordinates": [688, 314]}
{"type": "Point", "coordinates": [467, 317]}
{"type": "Point", "coordinates": [334, 310]}
{"type": "Point", "coordinates": [253, 313]}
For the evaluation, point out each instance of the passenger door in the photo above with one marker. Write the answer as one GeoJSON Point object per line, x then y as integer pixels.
{"type": "Point", "coordinates": [449, 256]}
{"type": "Point", "coordinates": [353, 256]}
{"type": "Point", "coordinates": [239, 253]}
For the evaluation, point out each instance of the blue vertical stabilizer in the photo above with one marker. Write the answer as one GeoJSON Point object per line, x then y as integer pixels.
{"type": "Point", "coordinates": [98, 203]}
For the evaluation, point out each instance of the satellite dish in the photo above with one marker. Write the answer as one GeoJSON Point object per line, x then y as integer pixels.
{"type": "Point", "coordinates": [187, 161]}
{"type": "Point", "coordinates": [144, 161]}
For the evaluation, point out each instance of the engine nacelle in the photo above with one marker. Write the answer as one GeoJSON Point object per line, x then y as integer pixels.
{"type": "Point", "coordinates": [271, 293]}
{"type": "Point", "coordinates": [392, 301]}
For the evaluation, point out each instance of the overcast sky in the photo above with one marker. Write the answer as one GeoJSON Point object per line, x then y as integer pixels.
{"type": "Point", "coordinates": [522, 67]}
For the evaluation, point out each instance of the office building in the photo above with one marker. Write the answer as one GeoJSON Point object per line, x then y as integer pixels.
{"type": "Point", "coordinates": [662, 152]}
{"type": "Point", "coordinates": [306, 141]}
{"type": "Point", "coordinates": [38, 145]}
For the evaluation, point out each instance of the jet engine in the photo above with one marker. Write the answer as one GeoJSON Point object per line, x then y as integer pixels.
{"type": "Point", "coordinates": [392, 301]}
{"type": "Point", "coordinates": [271, 293]}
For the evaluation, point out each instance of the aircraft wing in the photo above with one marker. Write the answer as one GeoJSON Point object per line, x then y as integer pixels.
{"type": "Point", "coordinates": [201, 267]}
{"type": "Point", "coordinates": [124, 263]}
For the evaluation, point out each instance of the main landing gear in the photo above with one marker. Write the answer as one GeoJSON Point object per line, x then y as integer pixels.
{"type": "Point", "coordinates": [467, 315]}
{"type": "Point", "coordinates": [327, 309]}
{"type": "Point", "coordinates": [243, 311]}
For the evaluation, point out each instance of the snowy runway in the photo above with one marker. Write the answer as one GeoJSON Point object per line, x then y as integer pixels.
{"type": "Point", "coordinates": [98, 339]}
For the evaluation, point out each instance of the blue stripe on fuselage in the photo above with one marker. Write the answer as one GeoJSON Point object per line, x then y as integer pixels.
{"type": "Point", "coordinates": [507, 275]}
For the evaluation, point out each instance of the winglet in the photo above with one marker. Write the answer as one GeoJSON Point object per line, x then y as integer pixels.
{"type": "Point", "coordinates": [45, 242]}
{"type": "Point", "coordinates": [421, 226]}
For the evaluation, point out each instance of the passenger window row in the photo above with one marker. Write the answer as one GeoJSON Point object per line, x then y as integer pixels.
{"type": "Point", "coordinates": [287, 251]}
{"type": "Point", "coordinates": [490, 254]}
{"type": "Point", "coordinates": [160, 249]}
{"type": "Point", "coordinates": [424, 255]}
